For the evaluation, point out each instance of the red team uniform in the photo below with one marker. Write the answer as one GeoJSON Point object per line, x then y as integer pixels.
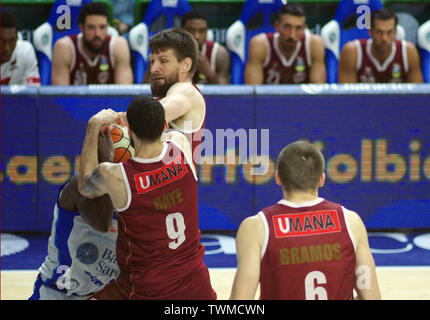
{"type": "Point", "coordinates": [394, 69]}
{"type": "Point", "coordinates": [307, 253]}
{"type": "Point", "coordinates": [159, 253]}
{"type": "Point", "coordinates": [209, 50]}
{"type": "Point", "coordinates": [99, 70]}
{"type": "Point", "coordinates": [277, 69]}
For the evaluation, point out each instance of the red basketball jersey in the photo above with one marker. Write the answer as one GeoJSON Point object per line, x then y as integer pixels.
{"type": "Point", "coordinates": [308, 253]}
{"type": "Point", "coordinates": [394, 68]}
{"type": "Point", "coordinates": [158, 248]}
{"type": "Point", "coordinates": [194, 135]}
{"type": "Point", "coordinates": [99, 70]}
{"type": "Point", "coordinates": [278, 69]}
{"type": "Point", "coordinates": [209, 50]}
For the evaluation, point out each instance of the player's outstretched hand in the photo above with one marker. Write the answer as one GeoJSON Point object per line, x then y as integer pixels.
{"type": "Point", "coordinates": [104, 117]}
{"type": "Point", "coordinates": [122, 120]}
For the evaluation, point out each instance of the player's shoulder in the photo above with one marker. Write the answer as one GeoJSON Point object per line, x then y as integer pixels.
{"type": "Point", "coordinates": [119, 41]}
{"type": "Point", "coordinates": [315, 39]}
{"type": "Point", "coordinates": [64, 43]}
{"type": "Point", "coordinates": [24, 49]}
{"type": "Point", "coordinates": [253, 223]}
{"type": "Point", "coordinates": [410, 46]}
{"type": "Point", "coordinates": [350, 46]}
{"type": "Point", "coordinates": [110, 169]}
{"type": "Point", "coordinates": [24, 45]}
{"type": "Point", "coordinates": [353, 218]}
{"type": "Point", "coordinates": [185, 88]}
{"type": "Point", "coordinates": [260, 38]}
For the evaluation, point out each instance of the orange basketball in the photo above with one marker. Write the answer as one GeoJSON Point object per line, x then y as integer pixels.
{"type": "Point", "coordinates": [121, 143]}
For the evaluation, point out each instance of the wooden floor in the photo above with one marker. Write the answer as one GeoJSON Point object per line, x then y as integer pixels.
{"type": "Point", "coordinates": [396, 283]}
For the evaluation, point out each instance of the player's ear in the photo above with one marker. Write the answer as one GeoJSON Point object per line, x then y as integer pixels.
{"type": "Point", "coordinates": [166, 126]}
{"type": "Point", "coordinates": [276, 24]}
{"type": "Point", "coordinates": [322, 180]}
{"type": "Point", "coordinates": [277, 179]}
{"type": "Point", "coordinates": [186, 64]}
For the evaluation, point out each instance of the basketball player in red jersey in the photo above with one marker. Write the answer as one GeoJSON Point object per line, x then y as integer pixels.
{"type": "Point", "coordinates": [303, 247]}
{"type": "Point", "coordinates": [92, 56]}
{"type": "Point", "coordinates": [213, 62]}
{"type": "Point", "coordinates": [172, 63]}
{"type": "Point", "coordinates": [382, 58]}
{"type": "Point", "coordinates": [290, 55]}
{"type": "Point", "coordinates": [159, 253]}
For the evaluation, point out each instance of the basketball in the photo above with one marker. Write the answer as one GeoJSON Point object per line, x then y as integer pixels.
{"type": "Point", "coordinates": [121, 143]}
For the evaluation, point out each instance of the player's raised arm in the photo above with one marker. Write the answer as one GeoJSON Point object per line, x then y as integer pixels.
{"type": "Point", "coordinates": [178, 101]}
{"type": "Point", "coordinates": [92, 175]}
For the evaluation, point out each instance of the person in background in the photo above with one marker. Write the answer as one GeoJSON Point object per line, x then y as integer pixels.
{"type": "Point", "coordinates": [382, 58]}
{"type": "Point", "coordinates": [92, 56]}
{"type": "Point", "coordinates": [291, 55]}
{"type": "Point", "coordinates": [123, 14]}
{"type": "Point", "coordinates": [18, 58]}
{"type": "Point", "coordinates": [213, 61]}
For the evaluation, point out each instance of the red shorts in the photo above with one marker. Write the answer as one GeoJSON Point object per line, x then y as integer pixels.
{"type": "Point", "coordinates": [196, 286]}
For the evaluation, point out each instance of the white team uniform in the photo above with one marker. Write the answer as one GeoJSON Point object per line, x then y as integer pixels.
{"type": "Point", "coordinates": [80, 260]}
{"type": "Point", "coordinates": [22, 66]}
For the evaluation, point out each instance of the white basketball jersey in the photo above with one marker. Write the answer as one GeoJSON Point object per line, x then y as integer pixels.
{"type": "Point", "coordinates": [22, 67]}
{"type": "Point", "coordinates": [80, 260]}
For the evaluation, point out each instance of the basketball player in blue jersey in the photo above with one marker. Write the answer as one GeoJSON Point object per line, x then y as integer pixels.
{"type": "Point", "coordinates": [81, 256]}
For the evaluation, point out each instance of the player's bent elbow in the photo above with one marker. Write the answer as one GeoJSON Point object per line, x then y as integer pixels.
{"type": "Point", "coordinates": [101, 227]}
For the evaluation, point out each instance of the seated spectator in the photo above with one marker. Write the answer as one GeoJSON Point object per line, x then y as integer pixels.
{"type": "Point", "coordinates": [213, 59]}
{"type": "Point", "coordinates": [381, 58]}
{"type": "Point", "coordinates": [92, 56]}
{"type": "Point", "coordinates": [290, 55]}
{"type": "Point", "coordinates": [18, 58]}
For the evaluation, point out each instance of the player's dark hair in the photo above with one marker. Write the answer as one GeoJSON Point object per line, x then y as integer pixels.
{"type": "Point", "coordinates": [382, 14]}
{"type": "Point", "coordinates": [146, 118]}
{"type": "Point", "coordinates": [180, 41]}
{"type": "Point", "coordinates": [8, 20]}
{"type": "Point", "coordinates": [93, 8]}
{"type": "Point", "coordinates": [300, 165]}
{"type": "Point", "coordinates": [191, 15]}
{"type": "Point", "coordinates": [292, 8]}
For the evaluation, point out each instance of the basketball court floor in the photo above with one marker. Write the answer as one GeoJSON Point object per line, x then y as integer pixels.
{"type": "Point", "coordinates": [402, 260]}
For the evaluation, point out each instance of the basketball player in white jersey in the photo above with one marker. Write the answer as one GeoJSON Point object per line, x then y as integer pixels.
{"type": "Point", "coordinates": [81, 257]}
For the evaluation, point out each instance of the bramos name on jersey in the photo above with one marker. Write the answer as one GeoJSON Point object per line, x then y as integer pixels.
{"type": "Point", "coordinates": [307, 223]}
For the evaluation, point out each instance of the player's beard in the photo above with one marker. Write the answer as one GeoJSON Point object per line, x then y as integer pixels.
{"type": "Point", "coordinates": [289, 44]}
{"type": "Point", "coordinates": [160, 90]}
{"type": "Point", "coordinates": [90, 47]}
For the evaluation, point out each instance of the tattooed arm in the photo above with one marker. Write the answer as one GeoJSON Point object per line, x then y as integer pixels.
{"type": "Point", "coordinates": [105, 178]}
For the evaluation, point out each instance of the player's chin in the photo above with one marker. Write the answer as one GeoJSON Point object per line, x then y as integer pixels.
{"type": "Point", "coordinates": [158, 81]}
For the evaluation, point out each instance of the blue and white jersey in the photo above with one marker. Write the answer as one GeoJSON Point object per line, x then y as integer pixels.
{"type": "Point", "coordinates": [80, 260]}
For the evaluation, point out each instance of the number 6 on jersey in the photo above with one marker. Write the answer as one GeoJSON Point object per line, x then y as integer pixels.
{"type": "Point", "coordinates": [176, 234]}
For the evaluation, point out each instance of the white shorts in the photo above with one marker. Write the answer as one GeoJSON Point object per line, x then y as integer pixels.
{"type": "Point", "coordinates": [43, 292]}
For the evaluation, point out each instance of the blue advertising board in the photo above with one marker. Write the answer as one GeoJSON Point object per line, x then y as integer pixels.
{"type": "Point", "coordinates": [375, 139]}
